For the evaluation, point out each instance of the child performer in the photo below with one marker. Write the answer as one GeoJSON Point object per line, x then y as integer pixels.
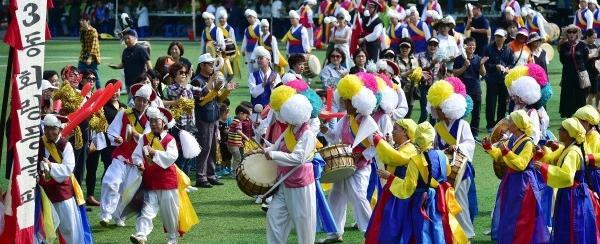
{"type": "Point", "coordinates": [395, 159]}
{"type": "Point", "coordinates": [430, 198]}
{"type": "Point", "coordinates": [518, 216]}
{"type": "Point", "coordinates": [449, 105]}
{"type": "Point", "coordinates": [574, 219]}
{"type": "Point", "coordinates": [355, 128]}
{"type": "Point", "coordinates": [588, 117]}
{"type": "Point", "coordinates": [156, 152]}
{"type": "Point", "coordinates": [57, 162]}
{"type": "Point", "coordinates": [294, 203]}
{"type": "Point", "coordinates": [124, 133]}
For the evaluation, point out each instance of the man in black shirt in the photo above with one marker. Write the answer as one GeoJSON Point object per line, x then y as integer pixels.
{"type": "Point", "coordinates": [135, 59]}
{"type": "Point", "coordinates": [480, 29]}
{"type": "Point", "coordinates": [500, 60]}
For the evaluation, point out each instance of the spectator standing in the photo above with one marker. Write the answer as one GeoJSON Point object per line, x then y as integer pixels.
{"type": "Point", "coordinates": [469, 68]}
{"type": "Point", "coordinates": [500, 60]}
{"type": "Point", "coordinates": [479, 26]}
{"type": "Point", "coordinates": [573, 55]}
{"type": "Point", "coordinates": [143, 20]}
{"type": "Point", "coordinates": [590, 41]}
{"type": "Point", "coordinates": [520, 51]}
{"type": "Point", "coordinates": [181, 89]}
{"type": "Point", "coordinates": [407, 63]}
{"type": "Point", "coordinates": [431, 73]}
{"type": "Point", "coordinates": [135, 59]}
{"type": "Point", "coordinates": [89, 57]}
{"type": "Point", "coordinates": [334, 71]}
{"type": "Point", "coordinates": [448, 47]}
{"type": "Point", "coordinates": [341, 36]}
{"type": "Point", "coordinates": [176, 52]}
{"type": "Point", "coordinates": [207, 94]}
{"type": "Point", "coordinates": [538, 54]}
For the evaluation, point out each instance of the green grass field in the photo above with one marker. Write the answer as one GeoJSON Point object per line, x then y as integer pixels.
{"type": "Point", "coordinates": [226, 214]}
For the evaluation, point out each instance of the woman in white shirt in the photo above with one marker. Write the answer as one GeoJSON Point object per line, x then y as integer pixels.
{"type": "Point", "coordinates": [448, 47]}
{"type": "Point", "coordinates": [341, 35]}
{"type": "Point", "coordinates": [334, 71]}
{"type": "Point", "coordinates": [143, 22]}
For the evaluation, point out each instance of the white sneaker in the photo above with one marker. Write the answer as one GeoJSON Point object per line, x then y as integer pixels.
{"type": "Point", "coordinates": [120, 223]}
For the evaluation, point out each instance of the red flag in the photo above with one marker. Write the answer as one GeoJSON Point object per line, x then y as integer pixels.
{"type": "Point", "coordinates": [356, 32]}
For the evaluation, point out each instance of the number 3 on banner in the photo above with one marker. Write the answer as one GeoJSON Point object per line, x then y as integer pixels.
{"type": "Point", "coordinates": [31, 8]}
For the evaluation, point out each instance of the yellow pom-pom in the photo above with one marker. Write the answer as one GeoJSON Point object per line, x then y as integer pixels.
{"type": "Point", "coordinates": [416, 75]}
{"type": "Point", "coordinates": [98, 122]}
{"type": "Point", "coordinates": [349, 86]}
{"type": "Point", "coordinates": [280, 95]}
{"type": "Point", "coordinates": [438, 92]}
{"type": "Point", "coordinates": [380, 83]}
{"type": "Point", "coordinates": [515, 73]}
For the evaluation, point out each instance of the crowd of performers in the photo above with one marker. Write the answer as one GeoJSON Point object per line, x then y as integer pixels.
{"type": "Point", "coordinates": [405, 187]}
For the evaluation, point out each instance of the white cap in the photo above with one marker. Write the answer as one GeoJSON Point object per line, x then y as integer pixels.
{"type": "Point", "coordinates": [393, 14]}
{"type": "Point", "coordinates": [208, 15]}
{"type": "Point", "coordinates": [500, 32]}
{"type": "Point", "coordinates": [264, 22]}
{"type": "Point", "coordinates": [250, 12]}
{"type": "Point", "coordinates": [222, 13]}
{"type": "Point", "coordinates": [329, 20]}
{"type": "Point", "coordinates": [51, 120]}
{"type": "Point", "coordinates": [205, 58]}
{"type": "Point", "coordinates": [294, 15]}
{"type": "Point", "coordinates": [261, 51]}
{"type": "Point", "coordinates": [413, 10]}
{"type": "Point", "coordinates": [47, 85]}
{"type": "Point", "coordinates": [593, 1]}
{"type": "Point", "coordinates": [145, 91]}
{"type": "Point", "coordinates": [155, 113]}
{"type": "Point", "coordinates": [311, 2]}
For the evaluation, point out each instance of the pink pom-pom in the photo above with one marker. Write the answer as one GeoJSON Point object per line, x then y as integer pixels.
{"type": "Point", "coordinates": [538, 73]}
{"type": "Point", "coordinates": [298, 85]}
{"type": "Point", "coordinates": [459, 86]}
{"type": "Point", "coordinates": [368, 80]}
{"type": "Point", "coordinates": [387, 80]}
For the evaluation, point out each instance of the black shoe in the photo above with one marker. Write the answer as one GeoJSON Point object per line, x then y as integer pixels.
{"type": "Point", "coordinates": [203, 184]}
{"type": "Point", "coordinates": [215, 182]}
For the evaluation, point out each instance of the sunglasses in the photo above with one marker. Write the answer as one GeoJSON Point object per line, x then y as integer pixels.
{"type": "Point", "coordinates": [335, 56]}
{"type": "Point", "coordinates": [572, 32]}
{"type": "Point", "coordinates": [90, 78]}
{"type": "Point", "coordinates": [182, 72]}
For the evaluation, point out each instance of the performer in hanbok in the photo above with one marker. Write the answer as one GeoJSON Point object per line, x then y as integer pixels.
{"type": "Point", "coordinates": [518, 216]}
{"type": "Point", "coordinates": [269, 42]}
{"type": "Point", "coordinates": [534, 22]}
{"type": "Point", "coordinates": [212, 40]}
{"type": "Point", "coordinates": [57, 162]}
{"type": "Point", "coordinates": [373, 30]}
{"type": "Point", "coordinates": [589, 118]}
{"type": "Point", "coordinates": [231, 64]}
{"type": "Point", "coordinates": [250, 40]}
{"type": "Point", "coordinates": [420, 206]}
{"type": "Point", "coordinates": [417, 31]}
{"type": "Point", "coordinates": [297, 37]}
{"type": "Point", "coordinates": [123, 173]}
{"type": "Point", "coordinates": [263, 80]}
{"type": "Point", "coordinates": [448, 105]}
{"type": "Point", "coordinates": [575, 218]}
{"type": "Point", "coordinates": [593, 7]}
{"type": "Point", "coordinates": [356, 128]}
{"type": "Point", "coordinates": [306, 18]}
{"type": "Point", "coordinates": [583, 18]}
{"type": "Point", "coordinates": [513, 5]}
{"type": "Point", "coordinates": [396, 29]}
{"type": "Point", "coordinates": [156, 153]}
{"type": "Point", "coordinates": [432, 5]}
{"type": "Point", "coordinates": [294, 203]}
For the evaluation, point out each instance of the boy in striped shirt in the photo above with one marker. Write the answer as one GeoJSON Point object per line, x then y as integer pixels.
{"type": "Point", "coordinates": [236, 138]}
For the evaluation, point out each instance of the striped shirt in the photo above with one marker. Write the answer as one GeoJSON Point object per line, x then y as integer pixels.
{"type": "Point", "coordinates": [233, 137]}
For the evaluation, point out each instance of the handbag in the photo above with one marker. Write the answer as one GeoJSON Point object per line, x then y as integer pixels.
{"type": "Point", "coordinates": [584, 77]}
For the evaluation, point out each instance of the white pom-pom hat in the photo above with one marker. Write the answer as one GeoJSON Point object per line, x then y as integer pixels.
{"type": "Point", "coordinates": [527, 89]}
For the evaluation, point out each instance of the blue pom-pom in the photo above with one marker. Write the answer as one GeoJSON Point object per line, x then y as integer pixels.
{"type": "Point", "coordinates": [469, 106]}
{"type": "Point", "coordinates": [315, 101]}
{"type": "Point", "coordinates": [546, 94]}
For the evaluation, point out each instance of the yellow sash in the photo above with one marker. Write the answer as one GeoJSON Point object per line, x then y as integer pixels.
{"type": "Point", "coordinates": [289, 37]}
{"type": "Point", "coordinates": [290, 140]}
{"type": "Point", "coordinates": [444, 133]}
{"type": "Point", "coordinates": [282, 61]}
{"type": "Point", "coordinates": [354, 127]}
{"type": "Point", "coordinates": [225, 31]}
{"type": "Point", "coordinates": [251, 32]}
{"type": "Point", "coordinates": [77, 192]}
{"type": "Point", "coordinates": [132, 121]}
{"type": "Point", "coordinates": [155, 144]}
{"type": "Point", "coordinates": [416, 29]}
{"type": "Point", "coordinates": [49, 228]}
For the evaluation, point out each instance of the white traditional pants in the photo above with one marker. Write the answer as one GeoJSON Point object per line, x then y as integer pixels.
{"type": "Point", "coordinates": [292, 207]}
{"type": "Point", "coordinates": [167, 203]}
{"type": "Point", "coordinates": [249, 65]}
{"type": "Point", "coordinates": [462, 197]}
{"type": "Point", "coordinates": [119, 178]}
{"type": "Point", "coordinates": [353, 189]}
{"type": "Point", "coordinates": [70, 226]}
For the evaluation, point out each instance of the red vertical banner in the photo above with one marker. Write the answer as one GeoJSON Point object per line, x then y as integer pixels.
{"type": "Point", "coordinates": [27, 36]}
